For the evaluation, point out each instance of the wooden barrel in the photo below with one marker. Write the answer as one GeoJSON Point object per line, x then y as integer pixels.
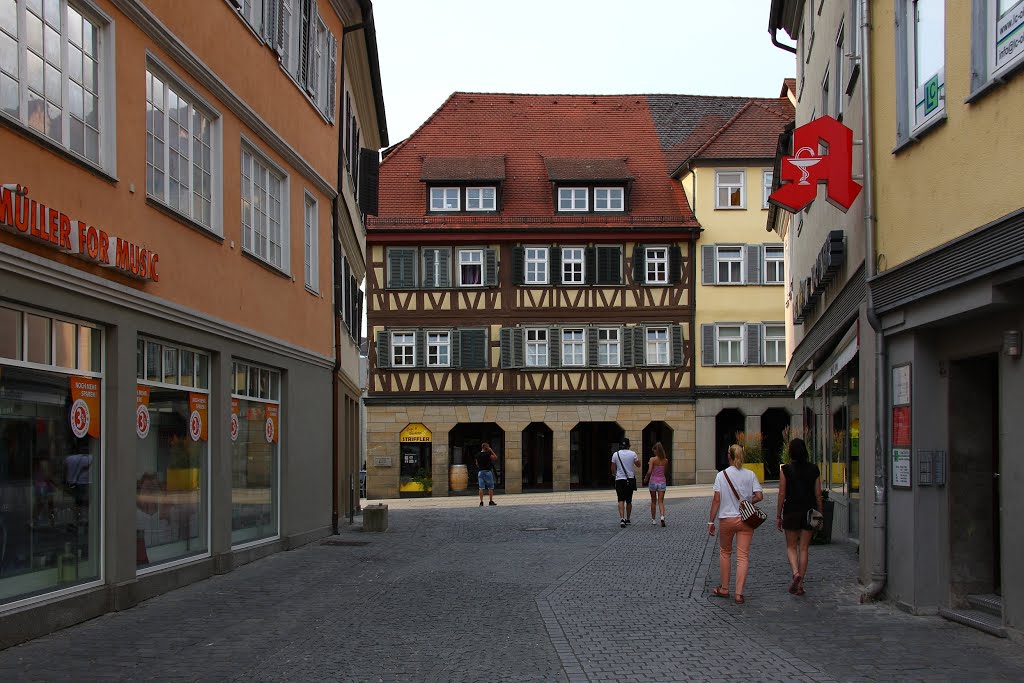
{"type": "Point", "coordinates": [458, 477]}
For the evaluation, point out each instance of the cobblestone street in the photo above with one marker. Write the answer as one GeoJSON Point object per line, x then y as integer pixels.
{"type": "Point", "coordinates": [531, 590]}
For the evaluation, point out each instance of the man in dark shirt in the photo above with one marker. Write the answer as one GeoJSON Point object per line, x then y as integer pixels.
{"type": "Point", "coordinates": [485, 475]}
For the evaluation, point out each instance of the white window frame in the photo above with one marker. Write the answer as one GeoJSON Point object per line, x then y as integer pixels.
{"type": "Point", "coordinates": [439, 348]}
{"type": "Point", "coordinates": [404, 341]}
{"type": "Point", "coordinates": [656, 265]}
{"type": "Point", "coordinates": [738, 341]}
{"type": "Point", "coordinates": [536, 258]}
{"type": "Point", "coordinates": [612, 196]}
{"type": "Point", "coordinates": [724, 254]}
{"type": "Point", "coordinates": [767, 176]}
{"type": "Point", "coordinates": [721, 184]}
{"type": "Point", "coordinates": [574, 266]}
{"type": "Point", "coordinates": [440, 198]}
{"type": "Point", "coordinates": [577, 197]}
{"type": "Point", "coordinates": [249, 188]}
{"type": "Point", "coordinates": [776, 341]}
{"type": "Point", "coordinates": [536, 342]}
{"type": "Point", "coordinates": [310, 238]}
{"type": "Point", "coordinates": [574, 347]}
{"type": "Point", "coordinates": [609, 346]}
{"type": "Point", "coordinates": [471, 257]}
{"type": "Point", "coordinates": [482, 201]}
{"type": "Point", "coordinates": [776, 263]}
{"type": "Point", "coordinates": [61, 94]}
{"type": "Point", "coordinates": [657, 345]}
{"type": "Point", "coordinates": [908, 64]}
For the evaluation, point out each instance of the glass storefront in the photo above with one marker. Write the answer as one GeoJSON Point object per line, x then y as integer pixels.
{"type": "Point", "coordinates": [255, 453]}
{"type": "Point", "coordinates": [50, 453]}
{"type": "Point", "coordinates": [172, 452]}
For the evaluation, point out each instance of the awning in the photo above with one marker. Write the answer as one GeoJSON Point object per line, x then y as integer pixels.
{"type": "Point", "coordinates": [836, 362]}
{"type": "Point", "coordinates": [804, 385]}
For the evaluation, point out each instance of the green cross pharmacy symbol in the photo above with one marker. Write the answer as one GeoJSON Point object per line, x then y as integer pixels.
{"type": "Point", "coordinates": [931, 94]}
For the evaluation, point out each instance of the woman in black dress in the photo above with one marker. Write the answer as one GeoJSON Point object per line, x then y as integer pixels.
{"type": "Point", "coordinates": [799, 492]}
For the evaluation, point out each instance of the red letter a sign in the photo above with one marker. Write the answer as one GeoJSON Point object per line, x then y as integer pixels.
{"type": "Point", "coordinates": [806, 168]}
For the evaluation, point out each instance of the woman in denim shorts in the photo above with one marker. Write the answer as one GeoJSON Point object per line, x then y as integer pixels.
{"type": "Point", "coordinates": [656, 481]}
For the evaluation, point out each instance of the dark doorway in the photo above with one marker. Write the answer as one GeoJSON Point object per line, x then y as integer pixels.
{"type": "Point", "coordinates": [654, 433]}
{"type": "Point", "coordinates": [974, 477]}
{"type": "Point", "coordinates": [773, 424]}
{"type": "Point", "coordinates": [537, 457]}
{"type": "Point", "coordinates": [591, 445]}
{"type": "Point", "coordinates": [463, 445]}
{"type": "Point", "coordinates": [727, 423]}
{"type": "Point", "coordinates": [415, 470]}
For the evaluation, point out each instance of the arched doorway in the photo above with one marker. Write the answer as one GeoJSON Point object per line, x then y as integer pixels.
{"type": "Point", "coordinates": [727, 423]}
{"type": "Point", "coordinates": [774, 422]}
{"type": "Point", "coordinates": [654, 433]}
{"type": "Point", "coordinates": [591, 445]}
{"type": "Point", "coordinates": [537, 457]}
{"type": "Point", "coordinates": [463, 445]}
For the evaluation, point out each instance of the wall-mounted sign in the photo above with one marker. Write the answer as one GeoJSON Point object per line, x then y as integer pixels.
{"type": "Point", "coordinates": [233, 424]}
{"type": "Point", "coordinates": [43, 224]}
{"type": "Point", "coordinates": [382, 461]}
{"type": "Point", "coordinates": [271, 428]}
{"type": "Point", "coordinates": [197, 420]}
{"type": "Point", "coordinates": [85, 407]}
{"type": "Point", "coordinates": [808, 167]}
{"type": "Point", "coordinates": [142, 420]}
{"type": "Point", "coordinates": [901, 429]}
{"type": "Point", "coordinates": [415, 433]}
{"type": "Point", "coordinates": [830, 259]}
{"type": "Point", "coordinates": [901, 468]}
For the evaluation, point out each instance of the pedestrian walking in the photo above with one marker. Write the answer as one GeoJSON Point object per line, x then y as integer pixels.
{"type": "Point", "coordinates": [656, 481]}
{"type": "Point", "coordinates": [485, 471]}
{"type": "Point", "coordinates": [799, 493]}
{"type": "Point", "coordinates": [623, 462]}
{"type": "Point", "coordinates": [725, 507]}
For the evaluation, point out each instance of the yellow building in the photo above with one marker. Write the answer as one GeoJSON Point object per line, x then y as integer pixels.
{"type": "Point", "coordinates": [740, 376]}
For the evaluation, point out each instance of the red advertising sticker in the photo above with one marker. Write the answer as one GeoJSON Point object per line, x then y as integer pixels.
{"type": "Point", "coordinates": [233, 425]}
{"type": "Point", "coordinates": [272, 423]}
{"type": "Point", "coordinates": [197, 420]}
{"type": "Point", "coordinates": [141, 411]}
{"type": "Point", "coordinates": [901, 426]}
{"type": "Point", "coordinates": [85, 407]}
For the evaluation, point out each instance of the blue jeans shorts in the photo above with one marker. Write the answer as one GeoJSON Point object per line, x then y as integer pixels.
{"type": "Point", "coordinates": [657, 487]}
{"type": "Point", "coordinates": [486, 479]}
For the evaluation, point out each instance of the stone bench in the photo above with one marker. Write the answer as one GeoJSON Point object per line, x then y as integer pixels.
{"type": "Point", "coordinates": [375, 517]}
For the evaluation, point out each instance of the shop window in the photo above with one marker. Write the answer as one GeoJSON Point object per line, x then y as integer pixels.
{"type": "Point", "coordinates": [255, 453]}
{"type": "Point", "coordinates": [50, 459]}
{"type": "Point", "coordinates": [172, 453]}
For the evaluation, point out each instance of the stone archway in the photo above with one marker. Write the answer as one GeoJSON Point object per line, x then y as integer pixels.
{"type": "Point", "coordinates": [537, 458]}
{"type": "Point", "coordinates": [653, 433]}
{"type": "Point", "coordinates": [728, 423]}
{"type": "Point", "coordinates": [774, 422]}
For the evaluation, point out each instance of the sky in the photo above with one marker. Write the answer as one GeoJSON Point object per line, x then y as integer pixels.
{"type": "Point", "coordinates": [429, 49]}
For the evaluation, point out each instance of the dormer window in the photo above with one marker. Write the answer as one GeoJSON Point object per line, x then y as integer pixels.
{"type": "Point", "coordinates": [609, 199]}
{"type": "Point", "coordinates": [572, 199]}
{"type": "Point", "coordinates": [444, 199]}
{"type": "Point", "coordinates": [481, 198]}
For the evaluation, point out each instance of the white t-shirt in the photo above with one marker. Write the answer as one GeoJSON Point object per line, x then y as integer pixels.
{"type": "Point", "coordinates": [629, 459]}
{"type": "Point", "coordinates": [746, 484]}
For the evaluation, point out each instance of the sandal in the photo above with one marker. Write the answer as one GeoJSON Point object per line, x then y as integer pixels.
{"type": "Point", "coordinates": [719, 592]}
{"type": "Point", "coordinates": [739, 599]}
{"type": "Point", "coordinates": [800, 588]}
{"type": "Point", "coordinates": [796, 583]}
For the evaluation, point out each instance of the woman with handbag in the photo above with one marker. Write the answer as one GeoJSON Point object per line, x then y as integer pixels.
{"type": "Point", "coordinates": [736, 489]}
{"type": "Point", "coordinates": [799, 512]}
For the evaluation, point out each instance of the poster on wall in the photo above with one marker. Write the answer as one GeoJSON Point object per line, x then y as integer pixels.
{"type": "Point", "coordinates": [272, 423]}
{"type": "Point", "coordinates": [141, 411]}
{"type": "Point", "coordinates": [197, 419]}
{"type": "Point", "coordinates": [901, 385]}
{"type": "Point", "coordinates": [85, 407]}
{"type": "Point", "coordinates": [901, 426]}
{"type": "Point", "coordinates": [901, 471]}
{"type": "Point", "coordinates": [233, 425]}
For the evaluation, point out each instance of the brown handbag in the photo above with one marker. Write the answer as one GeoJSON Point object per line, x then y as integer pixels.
{"type": "Point", "coordinates": [750, 514]}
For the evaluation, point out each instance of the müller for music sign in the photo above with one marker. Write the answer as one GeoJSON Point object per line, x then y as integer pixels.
{"type": "Point", "coordinates": [34, 220]}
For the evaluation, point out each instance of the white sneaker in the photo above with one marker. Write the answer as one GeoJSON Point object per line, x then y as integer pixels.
{"type": "Point", "coordinates": [654, 521]}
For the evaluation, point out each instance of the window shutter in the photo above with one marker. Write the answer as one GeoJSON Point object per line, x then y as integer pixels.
{"type": "Point", "coordinates": [609, 266]}
{"type": "Point", "coordinates": [675, 264]}
{"type": "Point", "coordinates": [627, 347]}
{"type": "Point", "coordinates": [270, 19]}
{"type": "Point", "coordinates": [369, 181]}
{"type": "Point", "coordinates": [753, 331]}
{"type": "Point", "coordinates": [554, 347]}
{"type": "Point", "coordinates": [305, 31]}
{"type": "Point", "coordinates": [444, 273]}
{"type": "Point", "coordinates": [639, 343]}
{"type": "Point", "coordinates": [639, 276]}
{"type": "Point", "coordinates": [555, 265]}
{"type": "Point", "coordinates": [590, 276]}
{"type": "Point", "coordinates": [428, 268]}
{"type": "Point", "coordinates": [420, 336]}
{"type": "Point", "coordinates": [518, 265]}
{"type": "Point", "coordinates": [394, 268]}
{"type": "Point", "coordinates": [473, 348]}
{"type": "Point", "coordinates": [505, 338]}
{"type": "Point", "coordinates": [707, 344]}
{"type": "Point", "coordinates": [357, 328]}
{"type": "Point", "coordinates": [456, 348]}
{"type": "Point", "coordinates": [383, 350]}
{"type": "Point", "coordinates": [284, 16]}
{"type": "Point", "coordinates": [332, 77]}
{"type": "Point", "coordinates": [313, 74]}
{"type": "Point", "coordinates": [401, 268]}
{"type": "Point", "coordinates": [592, 353]}
{"type": "Point", "coordinates": [753, 264]}
{"type": "Point", "coordinates": [710, 274]}
{"type": "Point", "coordinates": [517, 347]}
{"type": "Point", "coordinates": [676, 337]}
{"type": "Point", "coordinates": [490, 267]}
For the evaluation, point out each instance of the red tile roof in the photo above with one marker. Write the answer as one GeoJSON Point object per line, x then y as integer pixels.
{"type": "Point", "coordinates": [752, 133]}
{"type": "Point", "coordinates": [463, 168]}
{"type": "Point", "coordinates": [587, 169]}
{"type": "Point", "coordinates": [613, 130]}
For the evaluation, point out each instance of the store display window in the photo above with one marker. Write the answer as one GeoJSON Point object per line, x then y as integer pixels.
{"type": "Point", "coordinates": [51, 445]}
{"type": "Point", "coordinates": [255, 453]}
{"type": "Point", "coordinates": [172, 452]}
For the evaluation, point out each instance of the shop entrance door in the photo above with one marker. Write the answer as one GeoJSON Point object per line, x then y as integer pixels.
{"type": "Point", "coordinates": [591, 445]}
{"type": "Point", "coordinates": [537, 457]}
{"type": "Point", "coordinates": [974, 465]}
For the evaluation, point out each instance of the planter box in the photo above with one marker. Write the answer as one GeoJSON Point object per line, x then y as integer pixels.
{"type": "Point", "coordinates": [757, 468]}
{"type": "Point", "coordinates": [184, 479]}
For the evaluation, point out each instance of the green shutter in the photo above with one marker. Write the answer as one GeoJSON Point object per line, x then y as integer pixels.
{"type": "Point", "coordinates": [676, 337]}
{"type": "Point", "coordinates": [675, 264]}
{"type": "Point", "coordinates": [639, 345]}
{"type": "Point", "coordinates": [383, 349]}
{"type": "Point", "coordinates": [592, 352]}
{"type": "Point", "coordinates": [491, 268]}
{"type": "Point", "coordinates": [609, 265]}
{"type": "Point", "coordinates": [455, 348]}
{"type": "Point", "coordinates": [590, 276]}
{"type": "Point", "coordinates": [507, 358]}
{"type": "Point", "coordinates": [707, 344]}
{"type": "Point", "coordinates": [627, 346]}
{"type": "Point", "coordinates": [444, 259]}
{"type": "Point", "coordinates": [518, 265]}
{"type": "Point", "coordinates": [555, 265]}
{"type": "Point", "coordinates": [420, 337]}
{"type": "Point", "coordinates": [554, 347]}
{"type": "Point", "coordinates": [639, 264]}
{"type": "Point", "coordinates": [429, 281]}
{"type": "Point", "coordinates": [473, 348]}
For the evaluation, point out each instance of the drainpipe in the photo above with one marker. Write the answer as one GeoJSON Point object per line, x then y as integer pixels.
{"type": "Point", "coordinates": [878, 541]}
{"type": "Point", "coordinates": [776, 43]}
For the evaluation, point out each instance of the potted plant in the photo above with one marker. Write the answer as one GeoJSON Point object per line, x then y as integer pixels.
{"type": "Point", "coordinates": [753, 452]}
{"type": "Point", "coordinates": [183, 467]}
{"type": "Point", "coordinates": [421, 482]}
{"type": "Point", "coordinates": [788, 434]}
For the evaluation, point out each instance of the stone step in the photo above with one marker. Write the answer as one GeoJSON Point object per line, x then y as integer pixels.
{"type": "Point", "coordinates": [991, 603]}
{"type": "Point", "coordinates": [983, 621]}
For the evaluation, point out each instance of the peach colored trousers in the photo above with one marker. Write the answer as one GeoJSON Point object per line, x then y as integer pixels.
{"type": "Point", "coordinates": [729, 527]}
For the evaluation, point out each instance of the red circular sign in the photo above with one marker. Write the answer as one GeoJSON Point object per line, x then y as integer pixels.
{"type": "Point", "coordinates": [142, 421]}
{"type": "Point", "coordinates": [195, 425]}
{"type": "Point", "coordinates": [234, 427]}
{"type": "Point", "coordinates": [79, 418]}
{"type": "Point", "coordinates": [270, 430]}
